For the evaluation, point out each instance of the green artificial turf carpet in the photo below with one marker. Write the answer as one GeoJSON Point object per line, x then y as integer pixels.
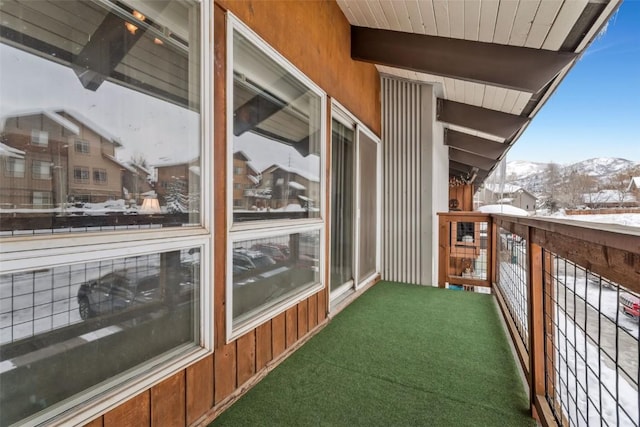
{"type": "Point", "coordinates": [400, 355]}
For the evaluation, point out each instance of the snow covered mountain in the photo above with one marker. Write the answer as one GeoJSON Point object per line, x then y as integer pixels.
{"type": "Point", "coordinates": [530, 175]}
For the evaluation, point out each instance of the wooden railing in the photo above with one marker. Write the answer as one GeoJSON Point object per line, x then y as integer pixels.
{"type": "Point", "coordinates": [568, 292]}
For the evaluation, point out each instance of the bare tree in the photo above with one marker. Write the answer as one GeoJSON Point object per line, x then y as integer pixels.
{"type": "Point", "coordinates": [551, 184]}
{"type": "Point", "coordinates": [578, 188]}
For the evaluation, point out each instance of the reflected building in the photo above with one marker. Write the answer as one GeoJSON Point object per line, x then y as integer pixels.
{"type": "Point", "coordinates": [291, 186]}
{"type": "Point", "coordinates": [246, 180]}
{"type": "Point", "coordinates": [56, 157]}
{"type": "Point", "coordinates": [177, 184]}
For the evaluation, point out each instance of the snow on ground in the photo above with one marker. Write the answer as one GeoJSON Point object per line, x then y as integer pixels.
{"type": "Point", "coordinates": [588, 382]}
{"type": "Point", "coordinates": [503, 209]}
{"type": "Point", "coordinates": [630, 219]}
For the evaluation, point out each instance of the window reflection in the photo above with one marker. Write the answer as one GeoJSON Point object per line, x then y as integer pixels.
{"type": "Point", "coordinates": [84, 147]}
{"type": "Point", "coordinates": [276, 143]}
{"type": "Point", "coordinates": [269, 270]}
{"type": "Point", "coordinates": [91, 322]}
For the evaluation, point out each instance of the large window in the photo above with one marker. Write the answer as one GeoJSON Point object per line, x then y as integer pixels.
{"type": "Point", "coordinates": [102, 290]}
{"type": "Point", "coordinates": [276, 188]}
{"type": "Point", "coordinates": [14, 167]}
{"type": "Point", "coordinates": [41, 169]}
{"type": "Point", "coordinates": [81, 175]}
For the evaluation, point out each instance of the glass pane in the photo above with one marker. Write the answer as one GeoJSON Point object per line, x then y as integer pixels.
{"type": "Point", "coordinates": [342, 170]}
{"type": "Point", "coordinates": [89, 323]}
{"type": "Point", "coordinates": [270, 270]}
{"type": "Point", "coordinates": [368, 206]}
{"type": "Point", "coordinates": [276, 139]}
{"type": "Point", "coordinates": [100, 112]}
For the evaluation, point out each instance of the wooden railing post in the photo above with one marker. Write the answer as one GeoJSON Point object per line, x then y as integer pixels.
{"type": "Point", "coordinates": [443, 250]}
{"type": "Point", "coordinates": [535, 288]}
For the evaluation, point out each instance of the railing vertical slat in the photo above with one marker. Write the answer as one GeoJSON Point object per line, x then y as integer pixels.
{"type": "Point", "coordinates": [536, 323]}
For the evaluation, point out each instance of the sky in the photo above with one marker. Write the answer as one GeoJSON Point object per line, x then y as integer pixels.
{"type": "Point", "coordinates": [595, 112]}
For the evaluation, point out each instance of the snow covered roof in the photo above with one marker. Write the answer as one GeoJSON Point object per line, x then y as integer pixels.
{"type": "Point", "coordinates": [508, 188]}
{"type": "Point", "coordinates": [296, 185]}
{"type": "Point", "coordinates": [119, 163]}
{"type": "Point", "coordinates": [167, 163]}
{"type": "Point", "coordinates": [56, 115]}
{"type": "Point", "coordinates": [634, 183]}
{"type": "Point", "coordinates": [7, 151]}
{"type": "Point", "coordinates": [253, 179]}
{"type": "Point", "coordinates": [300, 172]}
{"type": "Point", "coordinates": [195, 170]}
{"type": "Point", "coordinates": [503, 209]}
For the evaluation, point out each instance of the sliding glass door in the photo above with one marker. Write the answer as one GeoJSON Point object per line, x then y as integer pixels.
{"type": "Point", "coordinates": [342, 207]}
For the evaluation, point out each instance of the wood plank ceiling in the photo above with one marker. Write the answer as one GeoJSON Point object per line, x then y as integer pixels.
{"type": "Point", "coordinates": [535, 27]}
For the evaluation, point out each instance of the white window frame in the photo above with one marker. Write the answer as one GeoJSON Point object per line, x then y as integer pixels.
{"type": "Point", "coordinates": [40, 138]}
{"type": "Point", "coordinates": [42, 166]}
{"type": "Point", "coordinates": [267, 228]}
{"type": "Point", "coordinates": [40, 193]}
{"type": "Point", "coordinates": [20, 254]}
{"type": "Point", "coordinates": [100, 172]}
{"type": "Point", "coordinates": [81, 180]}
{"type": "Point", "coordinates": [10, 171]}
{"type": "Point", "coordinates": [82, 143]}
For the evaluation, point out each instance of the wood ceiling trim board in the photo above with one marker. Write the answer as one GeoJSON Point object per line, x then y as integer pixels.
{"type": "Point", "coordinates": [489, 95]}
{"type": "Point", "coordinates": [415, 16]}
{"type": "Point", "coordinates": [568, 15]}
{"type": "Point", "coordinates": [402, 14]}
{"type": "Point", "coordinates": [378, 13]}
{"type": "Point", "coordinates": [469, 92]}
{"type": "Point", "coordinates": [441, 10]}
{"type": "Point", "coordinates": [428, 17]}
{"type": "Point", "coordinates": [523, 21]}
{"type": "Point", "coordinates": [488, 17]}
{"type": "Point", "coordinates": [478, 96]}
{"type": "Point", "coordinates": [390, 14]}
{"type": "Point", "coordinates": [474, 144]}
{"type": "Point", "coordinates": [358, 10]}
{"type": "Point", "coordinates": [449, 87]}
{"type": "Point", "coordinates": [545, 16]}
{"type": "Point", "coordinates": [523, 100]}
{"type": "Point", "coordinates": [504, 23]}
{"type": "Point", "coordinates": [471, 159]}
{"type": "Point", "coordinates": [456, 19]}
{"type": "Point", "coordinates": [472, 19]}
{"type": "Point", "coordinates": [510, 67]}
{"type": "Point", "coordinates": [509, 101]}
{"type": "Point", "coordinates": [498, 99]}
{"type": "Point", "coordinates": [368, 15]}
{"type": "Point", "coordinates": [459, 85]}
{"type": "Point", "coordinates": [493, 122]}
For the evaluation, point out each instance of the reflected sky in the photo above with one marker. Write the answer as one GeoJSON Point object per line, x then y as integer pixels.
{"type": "Point", "coordinates": [158, 130]}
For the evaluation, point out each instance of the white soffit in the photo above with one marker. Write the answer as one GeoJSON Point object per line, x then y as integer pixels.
{"type": "Point", "coordinates": [539, 24]}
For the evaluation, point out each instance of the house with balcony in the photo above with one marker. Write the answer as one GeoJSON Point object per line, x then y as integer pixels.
{"type": "Point", "coordinates": [67, 159]}
{"type": "Point", "coordinates": [509, 194]}
{"type": "Point", "coordinates": [344, 314]}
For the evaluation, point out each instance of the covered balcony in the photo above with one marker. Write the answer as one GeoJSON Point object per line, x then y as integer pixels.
{"type": "Point", "coordinates": [542, 327]}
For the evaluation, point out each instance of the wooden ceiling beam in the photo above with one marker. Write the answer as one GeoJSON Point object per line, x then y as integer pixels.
{"type": "Point", "coordinates": [513, 67]}
{"type": "Point", "coordinates": [472, 160]}
{"type": "Point", "coordinates": [474, 144]}
{"type": "Point", "coordinates": [488, 121]}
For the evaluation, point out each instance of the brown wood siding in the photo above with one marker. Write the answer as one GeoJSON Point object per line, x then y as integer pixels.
{"type": "Point", "coordinates": [168, 402]}
{"type": "Point", "coordinates": [205, 388]}
{"type": "Point", "coordinates": [134, 412]}
{"type": "Point", "coordinates": [464, 195]}
{"type": "Point", "coordinates": [317, 40]}
{"type": "Point", "coordinates": [246, 355]}
{"type": "Point", "coordinates": [199, 389]}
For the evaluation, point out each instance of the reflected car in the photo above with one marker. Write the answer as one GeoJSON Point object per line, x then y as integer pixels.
{"type": "Point", "coordinates": [629, 305]}
{"type": "Point", "coordinates": [276, 251]}
{"type": "Point", "coordinates": [127, 288]}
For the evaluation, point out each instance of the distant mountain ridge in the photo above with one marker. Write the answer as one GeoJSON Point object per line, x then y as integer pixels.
{"type": "Point", "coordinates": [530, 175]}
